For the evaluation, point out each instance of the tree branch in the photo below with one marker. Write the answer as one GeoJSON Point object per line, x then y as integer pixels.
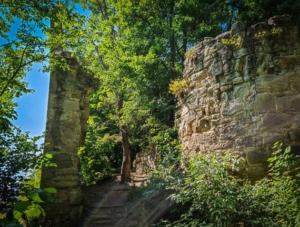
{"type": "Point", "coordinates": [19, 68]}
{"type": "Point", "coordinates": [100, 59]}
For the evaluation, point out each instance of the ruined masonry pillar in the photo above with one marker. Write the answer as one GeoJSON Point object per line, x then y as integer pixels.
{"type": "Point", "coordinates": [68, 111]}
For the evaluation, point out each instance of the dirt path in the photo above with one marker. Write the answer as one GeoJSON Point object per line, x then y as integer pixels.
{"type": "Point", "coordinates": [107, 205]}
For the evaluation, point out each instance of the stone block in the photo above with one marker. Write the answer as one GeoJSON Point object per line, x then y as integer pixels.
{"type": "Point", "coordinates": [281, 21]}
{"type": "Point", "coordinates": [271, 83]}
{"type": "Point", "coordinates": [198, 65]}
{"type": "Point", "coordinates": [240, 53]}
{"type": "Point", "coordinates": [63, 160]}
{"type": "Point", "coordinates": [238, 27]}
{"type": "Point", "coordinates": [247, 78]}
{"type": "Point", "coordinates": [256, 172]}
{"type": "Point", "coordinates": [264, 103]}
{"type": "Point", "coordinates": [241, 90]}
{"type": "Point", "coordinates": [296, 122]}
{"type": "Point", "coordinates": [232, 132]}
{"type": "Point", "coordinates": [199, 76]}
{"type": "Point", "coordinates": [208, 41]}
{"type": "Point", "coordinates": [226, 55]}
{"type": "Point", "coordinates": [227, 67]}
{"type": "Point", "coordinates": [237, 80]}
{"type": "Point", "coordinates": [250, 61]}
{"type": "Point", "coordinates": [250, 141]}
{"type": "Point", "coordinates": [256, 156]}
{"type": "Point", "coordinates": [217, 69]}
{"type": "Point", "coordinates": [288, 104]}
{"type": "Point", "coordinates": [226, 88]}
{"type": "Point", "coordinates": [295, 81]}
{"type": "Point", "coordinates": [279, 122]}
{"type": "Point", "coordinates": [294, 135]}
{"type": "Point", "coordinates": [209, 137]}
{"type": "Point", "coordinates": [238, 65]}
{"type": "Point", "coordinates": [49, 173]}
{"type": "Point", "coordinates": [61, 183]}
{"type": "Point", "coordinates": [227, 144]}
{"type": "Point", "coordinates": [75, 197]}
{"type": "Point", "coordinates": [233, 108]}
{"type": "Point", "coordinates": [207, 62]}
{"type": "Point", "coordinates": [271, 138]}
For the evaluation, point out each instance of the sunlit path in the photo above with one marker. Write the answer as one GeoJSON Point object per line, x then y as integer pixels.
{"type": "Point", "coordinates": [107, 205]}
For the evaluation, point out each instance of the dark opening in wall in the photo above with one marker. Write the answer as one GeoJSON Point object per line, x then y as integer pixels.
{"type": "Point", "coordinates": [203, 126]}
{"type": "Point", "coordinates": [295, 149]}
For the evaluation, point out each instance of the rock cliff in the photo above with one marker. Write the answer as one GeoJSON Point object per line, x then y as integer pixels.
{"type": "Point", "coordinates": [243, 92]}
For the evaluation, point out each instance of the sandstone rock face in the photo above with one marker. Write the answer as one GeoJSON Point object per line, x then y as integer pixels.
{"type": "Point", "coordinates": [68, 111]}
{"type": "Point", "coordinates": [145, 161]}
{"type": "Point", "coordinates": [243, 93]}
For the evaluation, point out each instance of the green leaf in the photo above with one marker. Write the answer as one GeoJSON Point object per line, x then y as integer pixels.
{"type": "Point", "coordinates": [17, 215]}
{"type": "Point", "coordinates": [49, 156]}
{"type": "Point", "coordinates": [50, 190]}
{"type": "Point", "coordinates": [34, 211]}
{"type": "Point", "coordinates": [38, 196]}
{"type": "Point", "coordinates": [22, 206]}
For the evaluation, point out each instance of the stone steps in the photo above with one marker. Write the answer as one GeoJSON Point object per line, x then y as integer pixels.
{"type": "Point", "coordinates": [110, 209]}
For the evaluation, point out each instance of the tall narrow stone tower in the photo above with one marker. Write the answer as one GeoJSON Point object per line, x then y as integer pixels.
{"type": "Point", "coordinates": [68, 111]}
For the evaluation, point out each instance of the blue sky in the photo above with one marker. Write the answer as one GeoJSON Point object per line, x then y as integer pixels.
{"type": "Point", "coordinates": [32, 109]}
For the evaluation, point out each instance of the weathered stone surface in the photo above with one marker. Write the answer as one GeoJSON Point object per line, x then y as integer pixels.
{"type": "Point", "coordinates": [145, 161]}
{"type": "Point", "coordinates": [256, 157]}
{"type": "Point", "coordinates": [68, 111]}
{"type": "Point", "coordinates": [247, 96]}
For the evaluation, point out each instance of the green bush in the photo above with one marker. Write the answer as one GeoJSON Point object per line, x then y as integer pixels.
{"type": "Point", "coordinates": [21, 158]}
{"type": "Point", "coordinates": [20, 155]}
{"type": "Point", "coordinates": [211, 194]}
{"type": "Point", "coordinates": [27, 211]}
{"type": "Point", "coordinates": [98, 155]}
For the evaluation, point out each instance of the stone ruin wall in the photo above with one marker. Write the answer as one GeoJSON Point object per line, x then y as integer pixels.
{"type": "Point", "coordinates": [68, 111]}
{"type": "Point", "coordinates": [243, 93]}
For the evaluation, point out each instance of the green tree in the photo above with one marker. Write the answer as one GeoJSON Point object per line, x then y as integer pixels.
{"type": "Point", "coordinates": [23, 42]}
{"type": "Point", "coordinates": [23, 25]}
{"type": "Point", "coordinates": [254, 11]}
{"type": "Point", "coordinates": [136, 48]}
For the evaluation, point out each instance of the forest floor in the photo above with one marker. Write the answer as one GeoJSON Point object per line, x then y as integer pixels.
{"type": "Point", "coordinates": [111, 204]}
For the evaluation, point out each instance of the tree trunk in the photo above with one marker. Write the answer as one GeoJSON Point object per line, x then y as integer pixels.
{"type": "Point", "coordinates": [172, 40]}
{"type": "Point", "coordinates": [126, 162]}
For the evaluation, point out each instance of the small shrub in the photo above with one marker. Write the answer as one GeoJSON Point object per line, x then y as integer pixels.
{"type": "Point", "coordinates": [177, 86]}
{"type": "Point", "coordinates": [191, 53]}
{"type": "Point", "coordinates": [232, 42]}
{"type": "Point", "coordinates": [26, 211]}
{"type": "Point", "coordinates": [21, 158]}
{"type": "Point", "coordinates": [264, 34]}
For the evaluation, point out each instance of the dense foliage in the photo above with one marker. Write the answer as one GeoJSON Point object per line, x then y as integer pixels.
{"type": "Point", "coordinates": [209, 193]}
{"type": "Point", "coordinates": [23, 26]}
{"type": "Point", "coordinates": [19, 154]}
{"type": "Point", "coordinates": [135, 48]}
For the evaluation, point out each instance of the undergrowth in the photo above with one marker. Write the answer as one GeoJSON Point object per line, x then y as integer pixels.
{"type": "Point", "coordinates": [207, 193]}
